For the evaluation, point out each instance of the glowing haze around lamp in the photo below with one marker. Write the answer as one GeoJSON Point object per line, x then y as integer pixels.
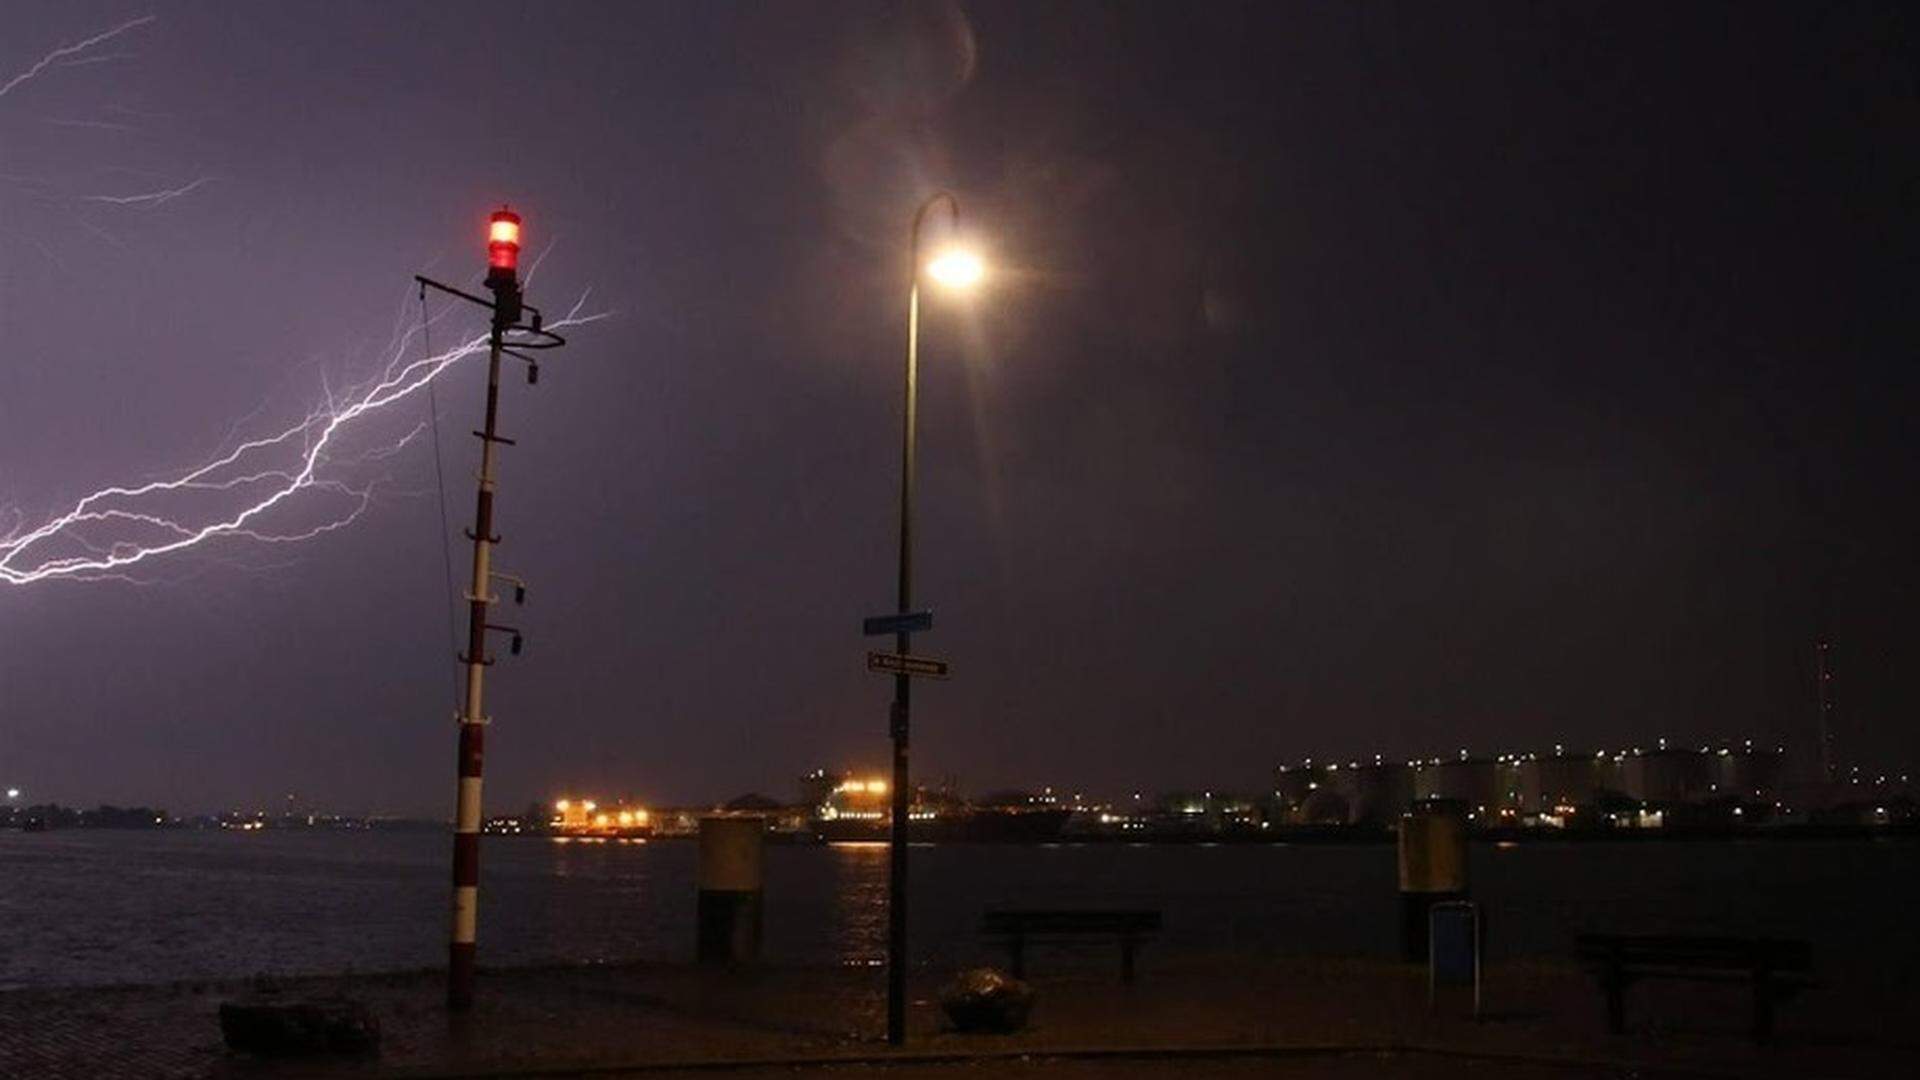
{"type": "Point", "coordinates": [957, 268]}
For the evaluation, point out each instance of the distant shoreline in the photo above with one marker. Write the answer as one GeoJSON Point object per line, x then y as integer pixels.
{"type": "Point", "coordinates": [1291, 835]}
{"type": "Point", "coordinates": [1351, 835]}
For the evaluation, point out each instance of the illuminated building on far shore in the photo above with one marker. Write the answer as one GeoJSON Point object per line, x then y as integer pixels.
{"type": "Point", "coordinates": [588, 818]}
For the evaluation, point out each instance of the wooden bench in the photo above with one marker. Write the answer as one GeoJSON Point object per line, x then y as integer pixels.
{"type": "Point", "coordinates": [1775, 969]}
{"type": "Point", "coordinates": [1015, 927]}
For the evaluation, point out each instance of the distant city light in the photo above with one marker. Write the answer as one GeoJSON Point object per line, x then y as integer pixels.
{"type": "Point", "coordinates": [13, 793]}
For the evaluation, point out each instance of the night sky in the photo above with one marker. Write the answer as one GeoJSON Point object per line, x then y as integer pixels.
{"type": "Point", "coordinates": [1350, 379]}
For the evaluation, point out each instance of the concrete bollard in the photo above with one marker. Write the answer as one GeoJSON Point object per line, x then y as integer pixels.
{"type": "Point", "coordinates": [1433, 867]}
{"type": "Point", "coordinates": [731, 889]}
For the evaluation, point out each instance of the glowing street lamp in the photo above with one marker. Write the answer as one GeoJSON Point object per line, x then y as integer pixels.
{"type": "Point", "coordinates": [954, 269]}
{"type": "Point", "coordinates": [957, 268]}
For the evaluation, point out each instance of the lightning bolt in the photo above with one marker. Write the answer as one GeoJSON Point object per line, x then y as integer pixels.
{"type": "Point", "coordinates": [149, 199]}
{"type": "Point", "coordinates": [55, 57]}
{"type": "Point", "coordinates": [239, 493]}
{"type": "Point", "coordinates": [293, 485]}
{"type": "Point", "coordinates": [52, 195]}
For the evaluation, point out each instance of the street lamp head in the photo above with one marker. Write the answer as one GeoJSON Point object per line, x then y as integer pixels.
{"type": "Point", "coordinates": [957, 268]}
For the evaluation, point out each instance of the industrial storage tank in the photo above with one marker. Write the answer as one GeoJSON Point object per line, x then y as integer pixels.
{"type": "Point", "coordinates": [1377, 793]}
{"type": "Point", "coordinates": [1474, 782]}
{"type": "Point", "coordinates": [1562, 779]}
{"type": "Point", "coordinates": [1669, 775]}
{"type": "Point", "coordinates": [1749, 772]}
{"type": "Point", "coordinates": [1293, 785]}
{"type": "Point", "coordinates": [1325, 807]}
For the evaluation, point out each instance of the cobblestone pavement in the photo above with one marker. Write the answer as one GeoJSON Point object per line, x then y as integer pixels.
{"type": "Point", "coordinates": [1318, 1017]}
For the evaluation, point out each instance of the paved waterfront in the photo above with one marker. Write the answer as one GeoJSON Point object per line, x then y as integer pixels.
{"type": "Point", "coordinates": [1192, 1018]}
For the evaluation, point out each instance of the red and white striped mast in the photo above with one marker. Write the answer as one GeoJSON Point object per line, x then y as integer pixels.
{"type": "Point", "coordinates": [503, 280]}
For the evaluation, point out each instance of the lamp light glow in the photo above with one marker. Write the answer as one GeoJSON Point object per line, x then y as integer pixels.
{"type": "Point", "coordinates": [957, 268]}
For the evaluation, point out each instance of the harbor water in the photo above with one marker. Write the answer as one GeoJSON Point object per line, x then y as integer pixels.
{"type": "Point", "coordinates": [84, 907]}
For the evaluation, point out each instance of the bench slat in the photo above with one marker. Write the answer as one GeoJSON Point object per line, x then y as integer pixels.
{"type": "Point", "coordinates": [1729, 961]}
{"type": "Point", "coordinates": [1070, 922]}
{"type": "Point", "coordinates": [1702, 952]}
{"type": "Point", "coordinates": [1774, 968]}
{"type": "Point", "coordinates": [1016, 926]}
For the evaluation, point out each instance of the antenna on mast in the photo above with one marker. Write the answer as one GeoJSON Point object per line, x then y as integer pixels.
{"type": "Point", "coordinates": [1824, 687]}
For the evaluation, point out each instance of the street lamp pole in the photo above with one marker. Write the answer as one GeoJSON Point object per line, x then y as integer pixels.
{"type": "Point", "coordinates": [900, 716]}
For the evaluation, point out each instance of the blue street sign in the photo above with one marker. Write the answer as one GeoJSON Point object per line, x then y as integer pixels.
{"type": "Point", "coordinates": [905, 622]}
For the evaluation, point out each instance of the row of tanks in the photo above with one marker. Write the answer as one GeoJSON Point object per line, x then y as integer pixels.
{"type": "Point", "coordinates": [1530, 787]}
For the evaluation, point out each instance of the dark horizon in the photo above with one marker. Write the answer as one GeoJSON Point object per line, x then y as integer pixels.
{"type": "Point", "coordinates": [1348, 380]}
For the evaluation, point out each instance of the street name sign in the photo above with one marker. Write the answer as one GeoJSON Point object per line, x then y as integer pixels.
{"type": "Point", "coordinates": [888, 663]}
{"type": "Point", "coordinates": [903, 623]}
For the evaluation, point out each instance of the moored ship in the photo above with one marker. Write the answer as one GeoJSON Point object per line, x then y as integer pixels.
{"type": "Point", "coordinates": [860, 810]}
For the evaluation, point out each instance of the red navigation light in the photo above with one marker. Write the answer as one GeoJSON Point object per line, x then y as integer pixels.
{"type": "Point", "coordinates": [503, 241]}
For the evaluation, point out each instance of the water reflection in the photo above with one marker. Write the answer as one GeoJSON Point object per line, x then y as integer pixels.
{"type": "Point", "coordinates": [857, 915]}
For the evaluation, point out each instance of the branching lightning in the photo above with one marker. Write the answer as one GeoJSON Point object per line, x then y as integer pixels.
{"type": "Point", "coordinates": [149, 199]}
{"type": "Point", "coordinates": [58, 57]}
{"type": "Point", "coordinates": [52, 194]}
{"type": "Point", "coordinates": [310, 478]}
{"type": "Point", "coordinates": [239, 494]}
